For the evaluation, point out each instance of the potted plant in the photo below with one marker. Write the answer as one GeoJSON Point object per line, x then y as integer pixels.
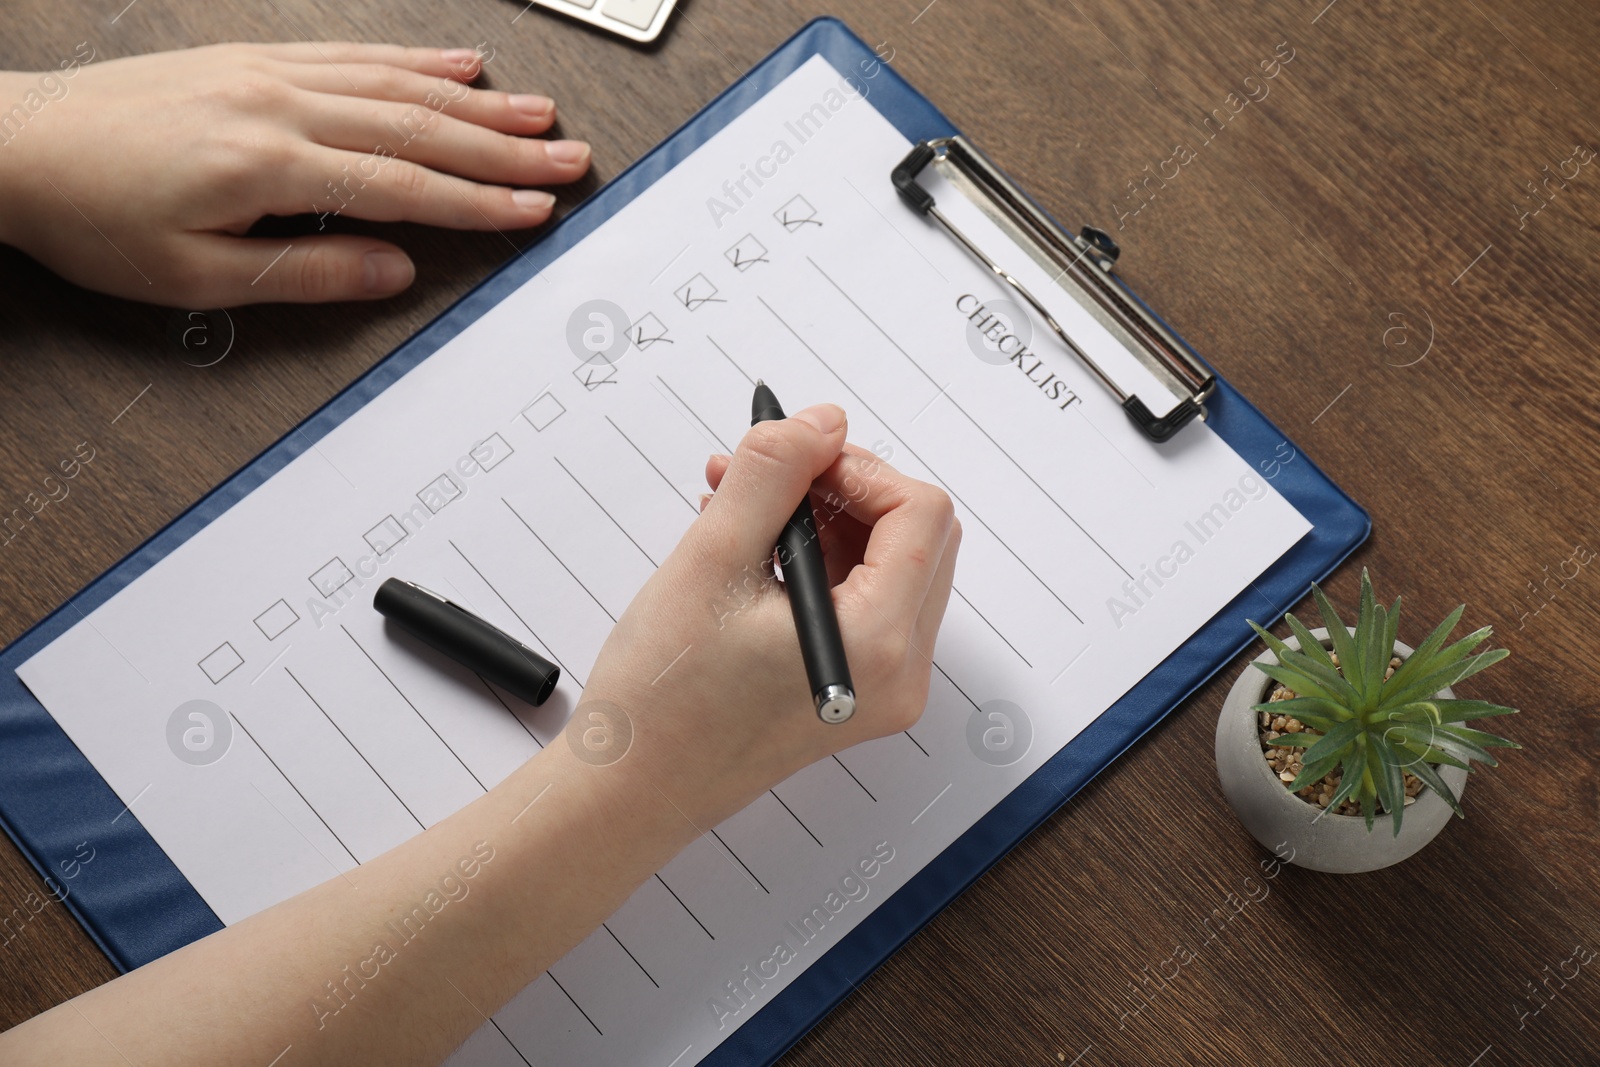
{"type": "Point", "coordinates": [1350, 724]}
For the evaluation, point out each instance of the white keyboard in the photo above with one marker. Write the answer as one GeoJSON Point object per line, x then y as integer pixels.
{"type": "Point", "coordinates": [637, 20]}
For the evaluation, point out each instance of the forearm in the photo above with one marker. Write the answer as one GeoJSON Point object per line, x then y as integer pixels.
{"type": "Point", "coordinates": [399, 960]}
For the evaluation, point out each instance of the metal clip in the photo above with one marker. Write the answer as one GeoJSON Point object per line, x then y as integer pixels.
{"type": "Point", "coordinates": [1081, 267]}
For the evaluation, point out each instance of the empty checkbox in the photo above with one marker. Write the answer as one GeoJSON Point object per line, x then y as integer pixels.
{"type": "Point", "coordinates": [331, 577]}
{"type": "Point", "coordinates": [491, 450]}
{"type": "Point", "coordinates": [543, 411]}
{"type": "Point", "coordinates": [439, 492]}
{"type": "Point", "coordinates": [384, 536]}
{"type": "Point", "coordinates": [221, 662]}
{"type": "Point", "coordinates": [276, 619]}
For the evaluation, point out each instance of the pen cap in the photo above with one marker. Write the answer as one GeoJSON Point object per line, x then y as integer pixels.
{"type": "Point", "coordinates": [450, 629]}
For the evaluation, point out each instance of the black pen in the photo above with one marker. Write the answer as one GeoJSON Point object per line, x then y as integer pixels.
{"type": "Point", "coordinates": [805, 575]}
{"type": "Point", "coordinates": [481, 647]}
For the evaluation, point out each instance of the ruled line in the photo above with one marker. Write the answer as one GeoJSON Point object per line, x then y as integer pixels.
{"type": "Point", "coordinates": [604, 512]}
{"type": "Point", "coordinates": [670, 262]}
{"type": "Point", "coordinates": [856, 780]}
{"type": "Point", "coordinates": [741, 863]}
{"type": "Point", "coordinates": [490, 1021]}
{"type": "Point", "coordinates": [532, 802]}
{"type": "Point", "coordinates": [126, 808]}
{"type": "Point", "coordinates": [685, 907]}
{"type": "Point", "coordinates": [413, 707]}
{"type": "Point", "coordinates": [559, 560]}
{"type": "Point", "coordinates": [952, 681]}
{"type": "Point", "coordinates": [1068, 667]}
{"type": "Point", "coordinates": [631, 956]}
{"type": "Point", "coordinates": [262, 749]}
{"type": "Point", "coordinates": [317, 704]}
{"type": "Point", "coordinates": [518, 719]}
{"type": "Point", "coordinates": [731, 858]}
{"type": "Point", "coordinates": [932, 802]}
{"type": "Point", "coordinates": [271, 665]}
{"type": "Point", "coordinates": [575, 1004]}
{"type": "Point", "coordinates": [914, 741]}
{"type": "Point", "coordinates": [796, 818]}
{"type": "Point", "coordinates": [542, 642]}
{"type": "Point", "coordinates": [1087, 421]}
{"type": "Point", "coordinates": [891, 225]}
{"type": "Point", "coordinates": [653, 467]}
{"type": "Point", "coordinates": [301, 834]}
{"type": "Point", "coordinates": [1002, 541]}
{"type": "Point", "coordinates": [991, 625]}
{"type": "Point", "coordinates": [729, 358]}
{"type": "Point", "coordinates": [715, 436]}
{"type": "Point", "coordinates": [510, 1042]}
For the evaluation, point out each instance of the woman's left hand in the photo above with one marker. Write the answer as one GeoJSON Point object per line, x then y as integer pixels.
{"type": "Point", "coordinates": [140, 176]}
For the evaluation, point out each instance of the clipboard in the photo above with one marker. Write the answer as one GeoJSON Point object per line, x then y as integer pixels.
{"type": "Point", "coordinates": [137, 906]}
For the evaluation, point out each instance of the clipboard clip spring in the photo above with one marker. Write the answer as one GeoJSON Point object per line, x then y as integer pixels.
{"type": "Point", "coordinates": [1081, 266]}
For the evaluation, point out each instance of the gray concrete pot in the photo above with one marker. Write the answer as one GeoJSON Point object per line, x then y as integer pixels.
{"type": "Point", "coordinates": [1303, 833]}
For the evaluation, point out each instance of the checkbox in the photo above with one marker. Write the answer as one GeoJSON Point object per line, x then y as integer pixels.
{"type": "Point", "coordinates": [595, 372]}
{"type": "Point", "coordinates": [747, 253]}
{"type": "Point", "coordinates": [491, 450]}
{"type": "Point", "coordinates": [795, 213]}
{"type": "Point", "coordinates": [384, 536]}
{"type": "Point", "coordinates": [276, 619]}
{"type": "Point", "coordinates": [543, 411]}
{"type": "Point", "coordinates": [648, 331]}
{"type": "Point", "coordinates": [439, 492]}
{"type": "Point", "coordinates": [221, 662]}
{"type": "Point", "coordinates": [331, 577]}
{"type": "Point", "coordinates": [698, 292]}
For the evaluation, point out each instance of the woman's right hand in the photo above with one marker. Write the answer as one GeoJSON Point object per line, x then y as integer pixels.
{"type": "Point", "coordinates": [704, 667]}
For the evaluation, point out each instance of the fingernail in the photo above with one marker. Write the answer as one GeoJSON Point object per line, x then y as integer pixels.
{"type": "Point", "coordinates": [536, 107]}
{"type": "Point", "coordinates": [705, 498]}
{"type": "Point", "coordinates": [825, 417]}
{"type": "Point", "coordinates": [569, 152]}
{"type": "Point", "coordinates": [458, 56]}
{"type": "Point", "coordinates": [386, 272]}
{"type": "Point", "coordinates": [532, 199]}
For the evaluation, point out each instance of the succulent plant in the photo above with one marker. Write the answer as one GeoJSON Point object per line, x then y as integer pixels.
{"type": "Point", "coordinates": [1373, 729]}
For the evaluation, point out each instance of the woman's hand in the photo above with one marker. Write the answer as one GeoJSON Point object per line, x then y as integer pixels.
{"type": "Point", "coordinates": [139, 176]}
{"type": "Point", "coordinates": [702, 681]}
{"type": "Point", "coordinates": [704, 668]}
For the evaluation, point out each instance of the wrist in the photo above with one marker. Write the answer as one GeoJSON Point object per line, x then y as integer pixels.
{"type": "Point", "coordinates": [612, 805]}
{"type": "Point", "coordinates": [698, 777]}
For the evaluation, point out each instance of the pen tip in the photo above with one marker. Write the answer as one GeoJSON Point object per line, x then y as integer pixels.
{"type": "Point", "coordinates": [760, 383]}
{"type": "Point", "coordinates": [764, 405]}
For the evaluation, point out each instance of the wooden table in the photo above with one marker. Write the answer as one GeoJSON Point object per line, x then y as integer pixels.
{"type": "Point", "coordinates": [1349, 250]}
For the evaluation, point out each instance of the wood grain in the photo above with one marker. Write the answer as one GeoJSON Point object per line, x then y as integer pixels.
{"type": "Point", "coordinates": [1371, 191]}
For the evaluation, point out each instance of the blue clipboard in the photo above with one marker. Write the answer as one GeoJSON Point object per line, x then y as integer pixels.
{"type": "Point", "coordinates": [137, 906]}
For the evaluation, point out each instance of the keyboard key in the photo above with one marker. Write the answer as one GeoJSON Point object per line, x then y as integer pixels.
{"type": "Point", "coordinates": [638, 13]}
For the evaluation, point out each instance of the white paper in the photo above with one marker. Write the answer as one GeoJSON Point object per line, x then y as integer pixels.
{"type": "Point", "coordinates": [554, 502]}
